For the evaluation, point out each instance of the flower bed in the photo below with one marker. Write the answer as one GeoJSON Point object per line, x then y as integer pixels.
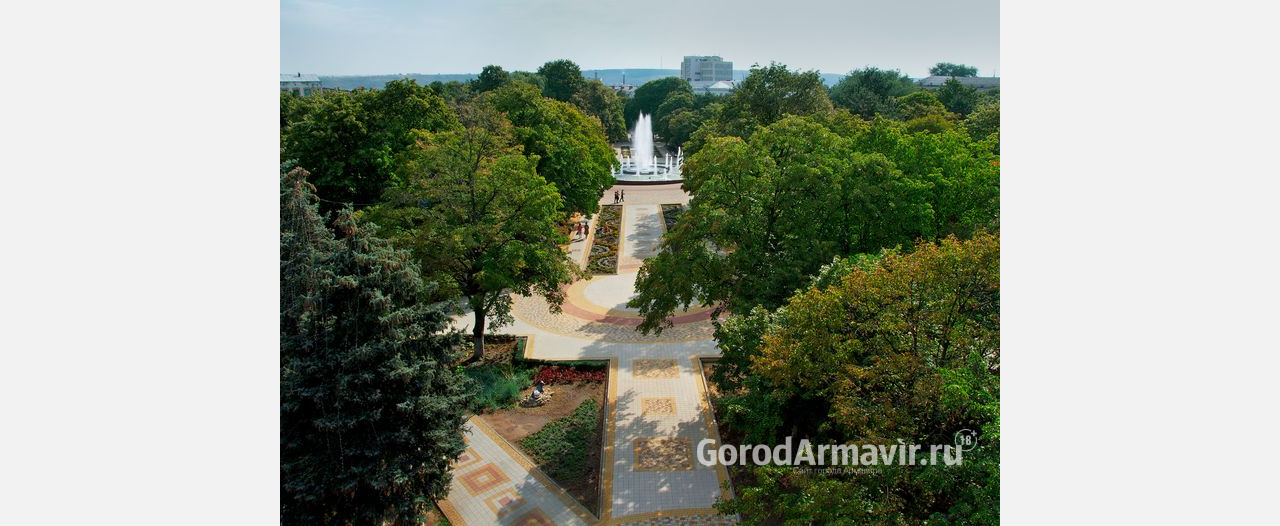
{"type": "Point", "coordinates": [553, 375]}
{"type": "Point", "coordinates": [602, 256]}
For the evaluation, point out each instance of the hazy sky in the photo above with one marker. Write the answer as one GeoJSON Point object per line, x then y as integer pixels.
{"type": "Point", "coordinates": [356, 37]}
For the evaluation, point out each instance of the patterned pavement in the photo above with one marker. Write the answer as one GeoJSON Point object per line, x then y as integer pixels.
{"type": "Point", "coordinates": [657, 408]}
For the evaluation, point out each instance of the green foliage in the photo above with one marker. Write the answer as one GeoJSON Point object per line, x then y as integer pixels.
{"type": "Point", "coordinates": [498, 385]}
{"type": "Point", "coordinates": [870, 91]}
{"type": "Point", "coordinates": [651, 94]}
{"type": "Point", "coordinates": [570, 149]}
{"type": "Point", "coordinates": [561, 448]}
{"type": "Point", "coordinates": [918, 104]}
{"type": "Point", "coordinates": [901, 346]}
{"type": "Point", "coordinates": [371, 411]}
{"type": "Point", "coordinates": [530, 78]}
{"type": "Point", "coordinates": [932, 123]}
{"type": "Point", "coordinates": [477, 216]}
{"type": "Point", "coordinates": [984, 121]}
{"type": "Point", "coordinates": [491, 78]}
{"type": "Point", "coordinates": [957, 97]}
{"type": "Point", "coordinates": [768, 212]}
{"type": "Point", "coordinates": [772, 92]}
{"type": "Point", "coordinates": [947, 69]}
{"type": "Point", "coordinates": [349, 141]}
{"type": "Point", "coordinates": [600, 101]}
{"type": "Point", "coordinates": [563, 79]}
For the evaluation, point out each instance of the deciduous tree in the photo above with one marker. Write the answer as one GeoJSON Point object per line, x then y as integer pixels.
{"type": "Point", "coordinates": [947, 69]}
{"type": "Point", "coordinates": [479, 218]}
{"type": "Point", "coordinates": [563, 79]}
{"type": "Point", "coordinates": [870, 91]}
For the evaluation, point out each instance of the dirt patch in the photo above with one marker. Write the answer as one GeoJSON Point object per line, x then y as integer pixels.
{"type": "Point", "coordinates": [519, 422]}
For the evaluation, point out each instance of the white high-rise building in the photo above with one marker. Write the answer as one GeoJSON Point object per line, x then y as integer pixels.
{"type": "Point", "coordinates": [706, 69]}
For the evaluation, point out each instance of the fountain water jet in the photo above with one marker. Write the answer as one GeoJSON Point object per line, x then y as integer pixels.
{"type": "Point", "coordinates": [642, 164]}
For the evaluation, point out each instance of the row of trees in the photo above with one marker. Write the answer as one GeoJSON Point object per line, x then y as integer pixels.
{"type": "Point", "coordinates": [439, 196]}
{"type": "Point", "coordinates": [772, 91]}
{"type": "Point", "coordinates": [852, 257]}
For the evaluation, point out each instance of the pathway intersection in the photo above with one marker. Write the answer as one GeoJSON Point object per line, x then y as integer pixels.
{"type": "Point", "coordinates": [657, 408]}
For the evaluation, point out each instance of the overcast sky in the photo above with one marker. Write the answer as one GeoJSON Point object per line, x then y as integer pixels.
{"type": "Point", "coordinates": [359, 37]}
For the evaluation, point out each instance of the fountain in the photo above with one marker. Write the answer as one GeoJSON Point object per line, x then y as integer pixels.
{"type": "Point", "coordinates": [641, 164]}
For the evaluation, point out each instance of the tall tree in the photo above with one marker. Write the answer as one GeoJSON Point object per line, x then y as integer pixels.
{"type": "Point", "coordinates": [768, 212]}
{"type": "Point", "coordinates": [984, 121]}
{"type": "Point", "coordinates": [870, 91]}
{"type": "Point", "coordinates": [897, 346]}
{"type": "Point", "coordinates": [491, 78]}
{"type": "Point", "coordinates": [650, 95]}
{"type": "Point", "coordinates": [371, 410]}
{"type": "Point", "coordinates": [947, 69]}
{"type": "Point", "coordinates": [564, 79]}
{"type": "Point", "coordinates": [480, 219]}
{"type": "Point", "coordinates": [600, 101]}
{"type": "Point", "coordinates": [570, 149]}
{"type": "Point", "coordinates": [958, 97]}
{"type": "Point", "coordinates": [771, 92]}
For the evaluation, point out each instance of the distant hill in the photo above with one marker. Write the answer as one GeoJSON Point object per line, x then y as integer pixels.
{"type": "Point", "coordinates": [633, 76]}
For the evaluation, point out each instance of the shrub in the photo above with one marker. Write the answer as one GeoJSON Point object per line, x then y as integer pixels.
{"type": "Point", "coordinates": [498, 386]}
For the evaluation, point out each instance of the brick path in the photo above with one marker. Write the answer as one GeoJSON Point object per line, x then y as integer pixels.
{"type": "Point", "coordinates": [657, 408]}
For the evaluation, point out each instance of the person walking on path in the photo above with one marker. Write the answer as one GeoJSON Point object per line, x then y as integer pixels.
{"type": "Point", "coordinates": [623, 197]}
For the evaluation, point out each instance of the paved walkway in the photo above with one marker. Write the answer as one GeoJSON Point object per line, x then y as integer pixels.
{"type": "Point", "coordinates": [657, 407]}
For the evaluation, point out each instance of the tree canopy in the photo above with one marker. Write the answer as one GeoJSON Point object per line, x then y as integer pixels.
{"type": "Point", "coordinates": [958, 97]}
{"type": "Point", "coordinates": [570, 149]}
{"type": "Point", "coordinates": [870, 91]}
{"type": "Point", "coordinates": [491, 78]}
{"type": "Point", "coordinates": [371, 410]}
{"type": "Point", "coordinates": [600, 101]}
{"type": "Point", "coordinates": [479, 218]}
{"type": "Point", "coordinates": [895, 346]}
{"type": "Point", "coordinates": [563, 79]}
{"type": "Point", "coordinates": [349, 141]}
{"type": "Point", "coordinates": [947, 69]}
{"type": "Point", "coordinates": [651, 94]}
{"type": "Point", "coordinates": [767, 212]}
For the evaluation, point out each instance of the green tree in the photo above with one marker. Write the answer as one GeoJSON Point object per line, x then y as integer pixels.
{"type": "Point", "coordinates": [650, 95]}
{"type": "Point", "coordinates": [531, 78]}
{"type": "Point", "coordinates": [771, 92]}
{"type": "Point", "coordinates": [600, 101]}
{"type": "Point", "coordinates": [475, 212]}
{"type": "Point", "coordinates": [870, 91]}
{"type": "Point", "coordinates": [768, 212]}
{"type": "Point", "coordinates": [957, 97]}
{"type": "Point", "coordinates": [349, 141]}
{"type": "Point", "coordinates": [570, 149]}
{"type": "Point", "coordinates": [899, 346]}
{"type": "Point", "coordinates": [564, 79]}
{"type": "Point", "coordinates": [947, 69]}
{"type": "Point", "coordinates": [918, 104]}
{"type": "Point", "coordinates": [676, 101]}
{"type": "Point", "coordinates": [491, 78]}
{"type": "Point", "coordinates": [333, 141]}
{"type": "Point", "coordinates": [984, 121]}
{"type": "Point", "coordinates": [371, 410]}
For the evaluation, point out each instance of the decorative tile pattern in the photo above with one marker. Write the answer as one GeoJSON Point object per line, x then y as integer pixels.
{"type": "Point", "coordinates": [664, 454]}
{"type": "Point", "coordinates": [655, 369]}
{"type": "Point", "coordinates": [483, 479]}
{"type": "Point", "coordinates": [504, 502]}
{"type": "Point", "coordinates": [535, 517]}
{"type": "Point", "coordinates": [467, 459]}
{"type": "Point", "coordinates": [698, 519]}
{"type": "Point", "coordinates": [602, 257]}
{"type": "Point", "coordinates": [658, 406]}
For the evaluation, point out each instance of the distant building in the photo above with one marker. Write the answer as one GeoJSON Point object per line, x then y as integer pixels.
{"type": "Point", "coordinates": [706, 69]}
{"type": "Point", "coordinates": [300, 84]}
{"type": "Point", "coordinates": [623, 88]}
{"type": "Point", "coordinates": [979, 83]}
{"type": "Point", "coordinates": [719, 87]}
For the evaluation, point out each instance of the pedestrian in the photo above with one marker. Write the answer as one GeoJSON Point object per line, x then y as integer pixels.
{"type": "Point", "coordinates": [577, 231]}
{"type": "Point", "coordinates": [624, 196]}
{"type": "Point", "coordinates": [615, 197]}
